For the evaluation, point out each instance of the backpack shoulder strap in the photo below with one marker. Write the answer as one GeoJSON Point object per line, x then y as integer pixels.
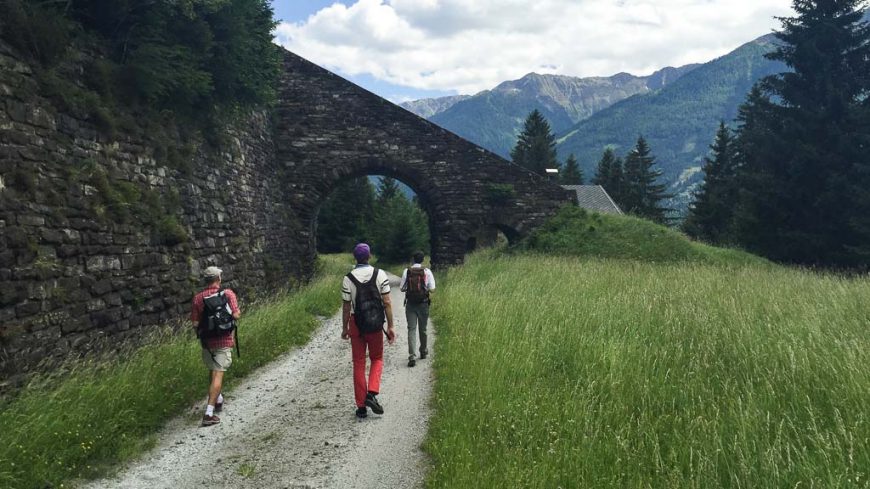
{"type": "Point", "coordinates": [353, 279]}
{"type": "Point", "coordinates": [376, 287]}
{"type": "Point", "coordinates": [374, 280]}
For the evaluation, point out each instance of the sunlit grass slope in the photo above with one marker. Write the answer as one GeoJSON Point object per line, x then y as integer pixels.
{"type": "Point", "coordinates": [99, 414]}
{"type": "Point", "coordinates": [576, 232]}
{"type": "Point", "coordinates": [566, 371]}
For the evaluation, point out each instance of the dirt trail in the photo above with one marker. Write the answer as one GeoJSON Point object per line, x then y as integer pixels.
{"type": "Point", "coordinates": [292, 425]}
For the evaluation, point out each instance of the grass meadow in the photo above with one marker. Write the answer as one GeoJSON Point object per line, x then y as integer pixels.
{"type": "Point", "coordinates": [702, 372]}
{"type": "Point", "coordinates": [82, 423]}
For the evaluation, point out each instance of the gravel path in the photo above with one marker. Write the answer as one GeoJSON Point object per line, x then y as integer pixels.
{"type": "Point", "coordinates": [292, 425]}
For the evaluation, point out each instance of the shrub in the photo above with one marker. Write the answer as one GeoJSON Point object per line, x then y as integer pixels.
{"type": "Point", "coordinates": [35, 28]}
{"type": "Point", "coordinates": [500, 193]}
{"type": "Point", "coordinates": [169, 232]}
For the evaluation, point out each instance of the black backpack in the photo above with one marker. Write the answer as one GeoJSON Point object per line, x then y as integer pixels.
{"type": "Point", "coordinates": [415, 286]}
{"type": "Point", "coordinates": [368, 309]}
{"type": "Point", "coordinates": [217, 316]}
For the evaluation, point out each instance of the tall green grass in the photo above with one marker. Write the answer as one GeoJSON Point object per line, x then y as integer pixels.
{"type": "Point", "coordinates": [99, 414]}
{"type": "Point", "coordinates": [576, 232]}
{"type": "Point", "coordinates": [577, 372]}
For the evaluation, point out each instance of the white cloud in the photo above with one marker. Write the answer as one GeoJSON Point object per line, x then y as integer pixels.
{"type": "Point", "coordinates": [471, 45]}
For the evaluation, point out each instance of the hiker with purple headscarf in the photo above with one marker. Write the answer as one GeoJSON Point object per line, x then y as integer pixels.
{"type": "Point", "coordinates": [365, 293]}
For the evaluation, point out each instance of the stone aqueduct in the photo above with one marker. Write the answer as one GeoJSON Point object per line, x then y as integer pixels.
{"type": "Point", "coordinates": [72, 283]}
{"type": "Point", "coordinates": [329, 129]}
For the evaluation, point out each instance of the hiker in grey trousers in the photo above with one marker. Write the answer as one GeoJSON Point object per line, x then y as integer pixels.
{"type": "Point", "coordinates": [417, 284]}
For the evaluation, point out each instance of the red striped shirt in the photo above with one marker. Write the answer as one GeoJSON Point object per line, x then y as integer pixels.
{"type": "Point", "coordinates": [198, 305]}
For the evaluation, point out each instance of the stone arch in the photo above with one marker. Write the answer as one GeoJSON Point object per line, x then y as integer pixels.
{"type": "Point", "coordinates": [327, 129]}
{"type": "Point", "coordinates": [418, 182]}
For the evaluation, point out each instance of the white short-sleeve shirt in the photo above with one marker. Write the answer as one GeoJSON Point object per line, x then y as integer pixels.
{"type": "Point", "coordinates": [363, 273]}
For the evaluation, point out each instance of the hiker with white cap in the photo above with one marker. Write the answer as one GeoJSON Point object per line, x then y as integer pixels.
{"type": "Point", "coordinates": [214, 313]}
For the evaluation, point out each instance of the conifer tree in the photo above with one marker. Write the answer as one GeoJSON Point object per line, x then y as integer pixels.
{"type": "Point", "coordinates": [399, 228]}
{"type": "Point", "coordinates": [804, 141]}
{"type": "Point", "coordinates": [609, 174]}
{"type": "Point", "coordinates": [571, 173]}
{"type": "Point", "coordinates": [387, 189]}
{"type": "Point", "coordinates": [711, 214]}
{"type": "Point", "coordinates": [536, 145]}
{"type": "Point", "coordinates": [346, 216]}
{"type": "Point", "coordinates": [641, 194]}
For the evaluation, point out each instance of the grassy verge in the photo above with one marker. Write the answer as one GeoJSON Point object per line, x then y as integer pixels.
{"type": "Point", "coordinates": [576, 232]}
{"type": "Point", "coordinates": [582, 372]}
{"type": "Point", "coordinates": [103, 413]}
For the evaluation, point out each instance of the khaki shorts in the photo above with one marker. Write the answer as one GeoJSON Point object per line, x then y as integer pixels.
{"type": "Point", "coordinates": [218, 360]}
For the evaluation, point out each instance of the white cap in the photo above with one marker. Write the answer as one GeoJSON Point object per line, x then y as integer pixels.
{"type": "Point", "coordinates": [212, 272]}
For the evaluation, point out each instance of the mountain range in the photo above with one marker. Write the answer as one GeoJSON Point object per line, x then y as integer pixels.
{"type": "Point", "coordinates": [493, 118]}
{"type": "Point", "coordinates": [427, 107]}
{"type": "Point", "coordinates": [679, 121]}
{"type": "Point", "coordinates": [676, 109]}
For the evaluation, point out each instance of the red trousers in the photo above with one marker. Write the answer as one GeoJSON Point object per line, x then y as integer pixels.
{"type": "Point", "coordinates": [358, 344]}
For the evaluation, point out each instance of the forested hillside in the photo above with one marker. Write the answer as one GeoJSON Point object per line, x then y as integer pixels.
{"type": "Point", "coordinates": [194, 59]}
{"type": "Point", "coordinates": [680, 121]}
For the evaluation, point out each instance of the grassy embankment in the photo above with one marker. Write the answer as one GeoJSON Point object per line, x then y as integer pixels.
{"type": "Point", "coordinates": [626, 356]}
{"type": "Point", "coordinates": [79, 425]}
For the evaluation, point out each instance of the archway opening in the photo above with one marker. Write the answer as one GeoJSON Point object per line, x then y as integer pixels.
{"type": "Point", "coordinates": [507, 234]}
{"type": "Point", "coordinates": [383, 211]}
{"type": "Point", "coordinates": [492, 236]}
{"type": "Point", "coordinates": [471, 244]}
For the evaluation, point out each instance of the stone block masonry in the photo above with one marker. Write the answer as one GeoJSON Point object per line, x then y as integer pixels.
{"type": "Point", "coordinates": [102, 237]}
{"type": "Point", "coordinates": [328, 129]}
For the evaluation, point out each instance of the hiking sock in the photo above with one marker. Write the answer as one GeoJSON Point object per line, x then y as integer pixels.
{"type": "Point", "coordinates": [209, 410]}
{"type": "Point", "coordinates": [220, 399]}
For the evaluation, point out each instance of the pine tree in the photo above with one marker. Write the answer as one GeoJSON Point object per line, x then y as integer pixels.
{"type": "Point", "coordinates": [617, 180]}
{"type": "Point", "coordinates": [388, 188]}
{"type": "Point", "coordinates": [712, 212]}
{"type": "Point", "coordinates": [399, 228]}
{"type": "Point", "coordinates": [346, 216]}
{"type": "Point", "coordinates": [755, 183]}
{"type": "Point", "coordinates": [571, 173]}
{"type": "Point", "coordinates": [609, 175]}
{"type": "Point", "coordinates": [641, 195]}
{"type": "Point", "coordinates": [804, 142]}
{"type": "Point", "coordinates": [536, 145]}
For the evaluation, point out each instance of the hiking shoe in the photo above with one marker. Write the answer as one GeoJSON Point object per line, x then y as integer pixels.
{"type": "Point", "coordinates": [362, 412]}
{"type": "Point", "coordinates": [412, 362]}
{"type": "Point", "coordinates": [210, 420]}
{"type": "Point", "coordinates": [218, 407]}
{"type": "Point", "coordinates": [423, 355]}
{"type": "Point", "coordinates": [372, 402]}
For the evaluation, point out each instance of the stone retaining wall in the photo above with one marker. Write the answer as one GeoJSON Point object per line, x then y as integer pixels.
{"type": "Point", "coordinates": [74, 278]}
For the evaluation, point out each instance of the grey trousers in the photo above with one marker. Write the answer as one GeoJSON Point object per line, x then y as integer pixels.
{"type": "Point", "coordinates": [417, 314]}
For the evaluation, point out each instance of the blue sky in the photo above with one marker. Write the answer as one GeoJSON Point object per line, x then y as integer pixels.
{"type": "Point", "coordinates": [298, 11]}
{"type": "Point", "coordinates": [408, 49]}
